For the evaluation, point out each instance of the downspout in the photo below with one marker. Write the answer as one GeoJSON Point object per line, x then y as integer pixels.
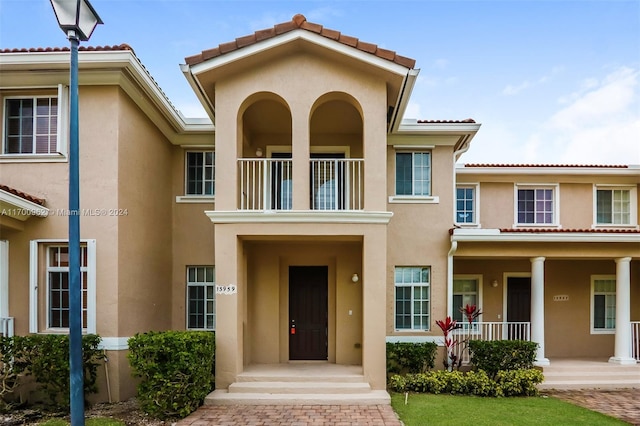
{"type": "Point", "coordinates": [452, 250]}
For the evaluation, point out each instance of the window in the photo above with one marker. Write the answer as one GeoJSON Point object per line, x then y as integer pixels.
{"type": "Point", "coordinates": [465, 292]}
{"type": "Point", "coordinates": [201, 298]}
{"type": "Point", "coordinates": [535, 206]}
{"type": "Point", "coordinates": [31, 125]}
{"type": "Point", "coordinates": [49, 285]}
{"type": "Point", "coordinates": [613, 206]}
{"type": "Point", "coordinates": [603, 304]}
{"type": "Point", "coordinates": [413, 173]}
{"type": "Point", "coordinates": [412, 298]}
{"type": "Point", "coordinates": [466, 205]}
{"type": "Point", "coordinates": [200, 178]}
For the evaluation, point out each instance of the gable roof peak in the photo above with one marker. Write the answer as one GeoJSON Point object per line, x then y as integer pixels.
{"type": "Point", "coordinates": [299, 22]}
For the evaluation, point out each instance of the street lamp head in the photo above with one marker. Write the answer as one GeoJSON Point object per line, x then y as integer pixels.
{"type": "Point", "coordinates": [77, 18]}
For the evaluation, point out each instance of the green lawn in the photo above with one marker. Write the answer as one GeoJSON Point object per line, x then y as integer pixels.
{"type": "Point", "coordinates": [427, 409]}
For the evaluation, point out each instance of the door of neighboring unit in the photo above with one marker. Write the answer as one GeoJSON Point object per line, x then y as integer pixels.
{"type": "Point", "coordinates": [518, 305]}
{"type": "Point", "coordinates": [308, 299]}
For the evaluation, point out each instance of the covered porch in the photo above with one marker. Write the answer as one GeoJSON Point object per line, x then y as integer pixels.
{"type": "Point", "coordinates": [581, 299]}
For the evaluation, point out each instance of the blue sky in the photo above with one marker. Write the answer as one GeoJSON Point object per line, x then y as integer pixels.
{"type": "Point", "coordinates": [550, 81]}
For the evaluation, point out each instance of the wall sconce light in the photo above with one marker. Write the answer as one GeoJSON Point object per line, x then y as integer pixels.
{"type": "Point", "coordinates": [259, 152]}
{"type": "Point", "coordinates": [494, 283]}
{"type": "Point", "coordinates": [355, 278]}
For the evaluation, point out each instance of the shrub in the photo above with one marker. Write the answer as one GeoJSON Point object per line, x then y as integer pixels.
{"type": "Point", "coordinates": [46, 358]}
{"type": "Point", "coordinates": [176, 368]}
{"type": "Point", "coordinates": [8, 372]}
{"type": "Point", "coordinates": [507, 383]}
{"type": "Point", "coordinates": [404, 357]}
{"type": "Point", "coordinates": [519, 382]}
{"type": "Point", "coordinates": [496, 355]}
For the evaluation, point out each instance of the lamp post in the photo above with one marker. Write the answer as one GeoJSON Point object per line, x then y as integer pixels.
{"type": "Point", "coordinates": [77, 19]}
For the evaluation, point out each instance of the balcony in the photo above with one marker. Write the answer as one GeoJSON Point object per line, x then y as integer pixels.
{"type": "Point", "coordinates": [266, 184]}
{"type": "Point", "coordinates": [635, 340]}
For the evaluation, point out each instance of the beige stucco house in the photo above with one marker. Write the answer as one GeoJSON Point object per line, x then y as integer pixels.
{"type": "Point", "coordinates": [305, 220]}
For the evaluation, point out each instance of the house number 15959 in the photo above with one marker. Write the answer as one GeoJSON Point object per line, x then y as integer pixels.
{"type": "Point", "coordinates": [226, 289]}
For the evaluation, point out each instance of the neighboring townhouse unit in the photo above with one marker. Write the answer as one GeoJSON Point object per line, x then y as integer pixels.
{"type": "Point", "coordinates": [304, 220]}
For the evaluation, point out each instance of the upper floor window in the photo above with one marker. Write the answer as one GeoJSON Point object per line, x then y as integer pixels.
{"type": "Point", "coordinates": [536, 205]}
{"type": "Point", "coordinates": [200, 171]}
{"type": "Point", "coordinates": [201, 298]}
{"type": "Point", "coordinates": [412, 297]}
{"type": "Point", "coordinates": [31, 125]}
{"type": "Point", "coordinates": [466, 204]}
{"type": "Point", "coordinates": [413, 173]}
{"type": "Point", "coordinates": [614, 206]}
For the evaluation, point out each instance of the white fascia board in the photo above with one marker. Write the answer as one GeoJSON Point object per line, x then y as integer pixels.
{"type": "Point", "coordinates": [411, 126]}
{"type": "Point", "coordinates": [22, 208]}
{"type": "Point", "coordinates": [633, 171]}
{"type": "Point", "coordinates": [294, 216]}
{"type": "Point", "coordinates": [290, 36]}
{"type": "Point", "coordinates": [403, 99]}
{"type": "Point", "coordinates": [494, 235]}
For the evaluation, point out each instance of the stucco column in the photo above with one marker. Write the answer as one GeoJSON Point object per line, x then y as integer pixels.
{"type": "Point", "coordinates": [622, 351]}
{"type": "Point", "coordinates": [300, 154]}
{"type": "Point", "coordinates": [229, 338]}
{"type": "Point", "coordinates": [537, 308]}
{"type": "Point", "coordinates": [374, 305]}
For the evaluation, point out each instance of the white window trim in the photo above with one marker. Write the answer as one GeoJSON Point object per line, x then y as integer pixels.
{"type": "Point", "coordinates": [633, 199]}
{"type": "Point", "coordinates": [477, 277]}
{"type": "Point", "coordinates": [594, 330]}
{"type": "Point", "coordinates": [476, 205]}
{"type": "Point", "coordinates": [186, 295]}
{"type": "Point", "coordinates": [196, 198]}
{"type": "Point", "coordinates": [414, 199]}
{"type": "Point", "coordinates": [63, 129]}
{"type": "Point", "coordinates": [556, 205]}
{"type": "Point", "coordinates": [412, 330]}
{"type": "Point", "coordinates": [34, 246]}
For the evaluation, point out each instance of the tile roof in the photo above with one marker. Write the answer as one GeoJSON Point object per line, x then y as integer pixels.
{"type": "Point", "coordinates": [601, 166]}
{"type": "Point", "coordinates": [299, 22]}
{"type": "Point", "coordinates": [23, 195]}
{"type": "Point", "coordinates": [122, 46]}
{"type": "Point", "coordinates": [569, 231]}
{"type": "Point", "coordinates": [466, 120]}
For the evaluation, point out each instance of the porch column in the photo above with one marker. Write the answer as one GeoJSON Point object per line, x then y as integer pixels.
{"type": "Point", "coordinates": [229, 312]}
{"type": "Point", "coordinates": [622, 352]}
{"type": "Point", "coordinates": [537, 308]}
{"type": "Point", "coordinates": [374, 301]}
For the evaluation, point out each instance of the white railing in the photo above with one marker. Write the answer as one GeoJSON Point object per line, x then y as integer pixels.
{"type": "Point", "coordinates": [266, 184]}
{"type": "Point", "coordinates": [488, 331]}
{"type": "Point", "coordinates": [6, 327]}
{"type": "Point", "coordinates": [635, 340]}
{"type": "Point", "coordinates": [337, 184]}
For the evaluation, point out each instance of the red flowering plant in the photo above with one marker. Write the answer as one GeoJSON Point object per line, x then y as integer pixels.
{"type": "Point", "coordinates": [447, 326]}
{"type": "Point", "coordinates": [471, 312]}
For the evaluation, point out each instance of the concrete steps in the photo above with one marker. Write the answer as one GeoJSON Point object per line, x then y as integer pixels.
{"type": "Point", "coordinates": [588, 374]}
{"type": "Point", "coordinates": [299, 384]}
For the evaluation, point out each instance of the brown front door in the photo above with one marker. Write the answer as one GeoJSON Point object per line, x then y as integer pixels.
{"type": "Point", "coordinates": [518, 305]}
{"type": "Point", "coordinates": [308, 294]}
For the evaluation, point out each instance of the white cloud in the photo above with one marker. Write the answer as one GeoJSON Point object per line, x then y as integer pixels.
{"type": "Point", "coordinates": [511, 90]}
{"type": "Point", "coordinates": [600, 125]}
{"type": "Point", "coordinates": [514, 89]}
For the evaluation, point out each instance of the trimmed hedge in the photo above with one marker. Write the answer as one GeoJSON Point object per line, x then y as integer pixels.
{"type": "Point", "coordinates": [502, 355]}
{"type": "Point", "coordinates": [46, 358]}
{"type": "Point", "coordinates": [404, 357]}
{"type": "Point", "coordinates": [176, 368]}
{"type": "Point", "coordinates": [507, 383]}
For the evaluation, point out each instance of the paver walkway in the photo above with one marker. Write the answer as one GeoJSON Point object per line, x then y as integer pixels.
{"type": "Point", "coordinates": [623, 404]}
{"type": "Point", "coordinates": [293, 415]}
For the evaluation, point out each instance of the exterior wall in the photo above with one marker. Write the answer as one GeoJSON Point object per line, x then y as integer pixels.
{"type": "Point", "coordinates": [418, 235]}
